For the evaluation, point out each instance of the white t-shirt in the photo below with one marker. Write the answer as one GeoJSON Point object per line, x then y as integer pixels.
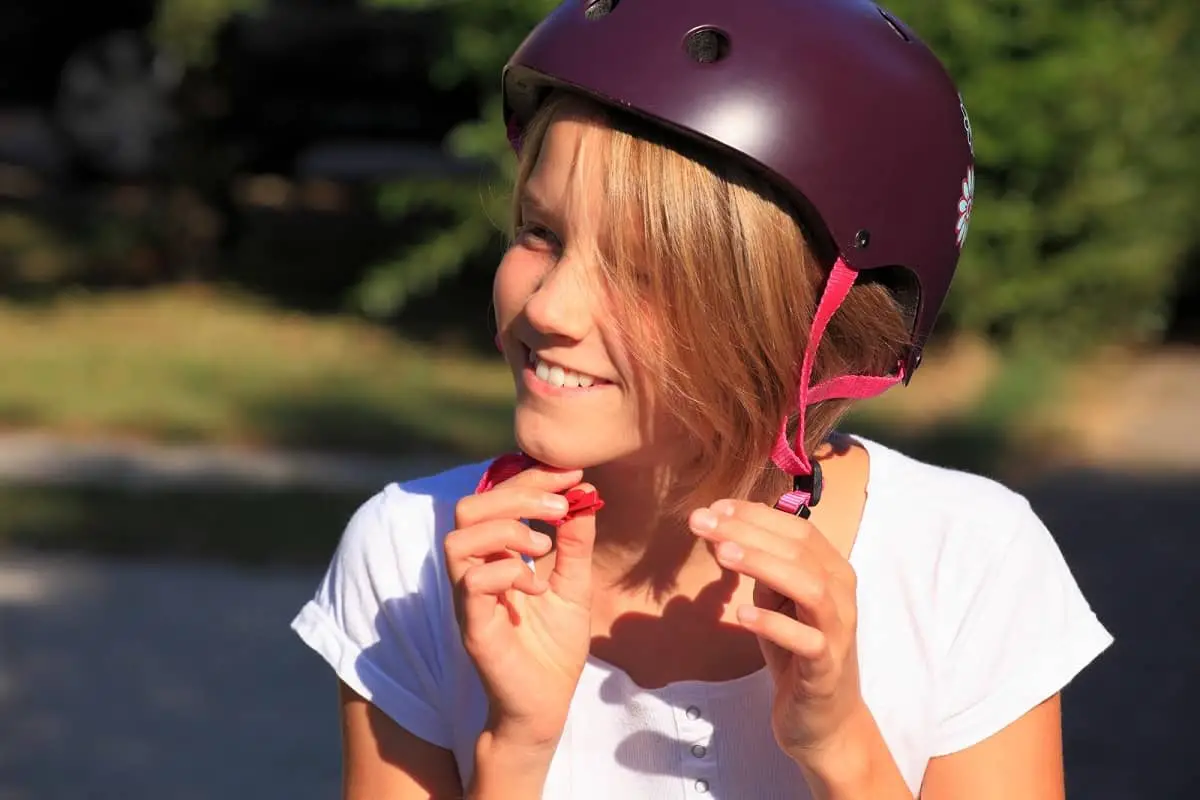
{"type": "Point", "coordinates": [968, 618]}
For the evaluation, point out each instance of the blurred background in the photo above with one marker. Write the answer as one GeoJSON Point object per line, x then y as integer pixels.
{"type": "Point", "coordinates": [245, 267]}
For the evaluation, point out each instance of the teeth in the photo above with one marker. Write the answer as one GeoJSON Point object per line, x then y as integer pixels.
{"type": "Point", "coordinates": [555, 375]}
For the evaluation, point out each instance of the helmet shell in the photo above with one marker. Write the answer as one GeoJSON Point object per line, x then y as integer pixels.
{"type": "Point", "coordinates": [836, 102]}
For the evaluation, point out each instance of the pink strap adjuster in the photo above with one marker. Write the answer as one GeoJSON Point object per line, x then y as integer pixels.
{"type": "Point", "coordinates": [791, 457]}
{"type": "Point", "coordinates": [507, 466]}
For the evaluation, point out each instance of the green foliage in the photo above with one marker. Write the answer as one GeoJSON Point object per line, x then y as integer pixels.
{"type": "Point", "coordinates": [483, 35]}
{"type": "Point", "coordinates": [1087, 133]}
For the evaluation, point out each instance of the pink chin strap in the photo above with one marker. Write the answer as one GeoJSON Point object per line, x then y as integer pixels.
{"type": "Point", "coordinates": [792, 458]}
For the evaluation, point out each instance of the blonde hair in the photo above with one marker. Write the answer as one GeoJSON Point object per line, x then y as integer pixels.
{"type": "Point", "coordinates": [720, 255]}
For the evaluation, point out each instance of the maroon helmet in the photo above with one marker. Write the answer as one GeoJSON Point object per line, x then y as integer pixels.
{"type": "Point", "coordinates": [834, 101]}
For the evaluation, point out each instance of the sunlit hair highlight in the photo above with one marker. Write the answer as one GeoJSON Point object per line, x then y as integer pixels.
{"type": "Point", "coordinates": [713, 287]}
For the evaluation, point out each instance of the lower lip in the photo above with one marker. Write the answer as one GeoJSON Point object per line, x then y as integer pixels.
{"type": "Point", "coordinates": [539, 386]}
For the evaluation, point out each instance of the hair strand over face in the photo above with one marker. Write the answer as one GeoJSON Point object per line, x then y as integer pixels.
{"type": "Point", "coordinates": [720, 255]}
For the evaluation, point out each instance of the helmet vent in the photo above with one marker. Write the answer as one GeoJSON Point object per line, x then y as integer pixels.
{"type": "Point", "coordinates": [893, 24]}
{"type": "Point", "coordinates": [597, 9]}
{"type": "Point", "coordinates": [706, 45]}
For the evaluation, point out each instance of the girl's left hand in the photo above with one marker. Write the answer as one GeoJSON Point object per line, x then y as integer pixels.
{"type": "Point", "coordinates": [804, 616]}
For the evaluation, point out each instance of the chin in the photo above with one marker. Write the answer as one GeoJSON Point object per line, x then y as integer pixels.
{"type": "Point", "coordinates": [576, 449]}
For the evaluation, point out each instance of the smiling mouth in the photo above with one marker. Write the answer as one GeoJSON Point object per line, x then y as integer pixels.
{"type": "Point", "coordinates": [560, 377]}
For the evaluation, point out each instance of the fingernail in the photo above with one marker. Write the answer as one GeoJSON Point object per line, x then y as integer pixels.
{"type": "Point", "coordinates": [723, 507]}
{"type": "Point", "coordinates": [556, 503]}
{"type": "Point", "coordinates": [704, 520]}
{"type": "Point", "coordinates": [728, 551]}
{"type": "Point", "coordinates": [540, 539]}
{"type": "Point", "coordinates": [747, 613]}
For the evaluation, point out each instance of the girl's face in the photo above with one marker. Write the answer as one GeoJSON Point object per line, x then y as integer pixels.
{"type": "Point", "coordinates": [578, 401]}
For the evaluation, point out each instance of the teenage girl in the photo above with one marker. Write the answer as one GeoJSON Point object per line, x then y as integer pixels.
{"type": "Point", "coordinates": [731, 220]}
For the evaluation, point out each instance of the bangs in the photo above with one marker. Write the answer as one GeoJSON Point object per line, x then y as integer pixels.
{"type": "Point", "coordinates": [711, 284]}
{"type": "Point", "coordinates": [633, 208]}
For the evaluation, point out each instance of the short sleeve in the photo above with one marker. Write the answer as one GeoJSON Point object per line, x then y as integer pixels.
{"type": "Point", "coordinates": [375, 617]}
{"type": "Point", "coordinates": [1016, 630]}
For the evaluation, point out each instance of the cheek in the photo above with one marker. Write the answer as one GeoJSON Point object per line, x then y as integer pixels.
{"type": "Point", "coordinates": [635, 341]}
{"type": "Point", "coordinates": [515, 280]}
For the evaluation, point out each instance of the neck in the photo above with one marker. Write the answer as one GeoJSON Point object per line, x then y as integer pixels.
{"type": "Point", "coordinates": [640, 548]}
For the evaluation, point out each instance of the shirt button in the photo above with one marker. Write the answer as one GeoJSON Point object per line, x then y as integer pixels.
{"type": "Point", "coordinates": [699, 750]}
{"type": "Point", "coordinates": [702, 786]}
{"type": "Point", "coordinates": [692, 712]}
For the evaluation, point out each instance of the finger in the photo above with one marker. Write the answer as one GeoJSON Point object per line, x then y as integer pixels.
{"type": "Point", "coordinates": [719, 528]}
{"type": "Point", "coordinates": [805, 584]}
{"type": "Point", "coordinates": [483, 587]}
{"type": "Point", "coordinates": [805, 641]}
{"type": "Point", "coordinates": [496, 577]}
{"type": "Point", "coordinates": [504, 537]}
{"type": "Point", "coordinates": [778, 522]}
{"type": "Point", "coordinates": [536, 497]}
{"type": "Point", "coordinates": [571, 577]}
{"type": "Point", "coordinates": [544, 477]}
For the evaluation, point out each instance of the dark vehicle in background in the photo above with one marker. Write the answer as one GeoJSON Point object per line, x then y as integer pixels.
{"type": "Point", "coordinates": [81, 87]}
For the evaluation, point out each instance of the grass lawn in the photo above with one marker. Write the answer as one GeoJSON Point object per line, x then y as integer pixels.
{"type": "Point", "coordinates": [204, 366]}
{"type": "Point", "coordinates": [201, 366]}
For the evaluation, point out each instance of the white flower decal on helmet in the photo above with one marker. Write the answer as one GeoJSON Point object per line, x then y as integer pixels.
{"type": "Point", "coordinates": [966, 124]}
{"type": "Point", "coordinates": [966, 203]}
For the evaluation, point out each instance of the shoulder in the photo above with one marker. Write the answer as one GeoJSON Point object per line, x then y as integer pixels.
{"type": "Point", "coordinates": [941, 507]}
{"type": "Point", "coordinates": [949, 534]}
{"type": "Point", "coordinates": [966, 560]}
{"type": "Point", "coordinates": [403, 525]}
{"type": "Point", "coordinates": [382, 616]}
{"type": "Point", "coordinates": [975, 551]}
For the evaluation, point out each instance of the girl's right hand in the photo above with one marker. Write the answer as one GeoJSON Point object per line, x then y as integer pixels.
{"type": "Point", "coordinates": [529, 637]}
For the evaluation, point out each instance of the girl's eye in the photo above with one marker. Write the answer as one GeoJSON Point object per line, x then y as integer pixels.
{"type": "Point", "coordinates": [537, 237]}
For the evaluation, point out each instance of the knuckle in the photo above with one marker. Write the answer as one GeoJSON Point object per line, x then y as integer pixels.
{"type": "Point", "coordinates": [474, 579]}
{"type": "Point", "coordinates": [516, 531]}
{"type": "Point", "coordinates": [530, 496]}
{"type": "Point", "coordinates": [464, 511]}
{"type": "Point", "coordinates": [452, 547]}
{"type": "Point", "coordinates": [812, 589]}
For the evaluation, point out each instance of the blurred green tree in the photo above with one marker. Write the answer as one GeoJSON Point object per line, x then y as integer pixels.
{"type": "Point", "coordinates": [483, 34]}
{"type": "Point", "coordinates": [1087, 133]}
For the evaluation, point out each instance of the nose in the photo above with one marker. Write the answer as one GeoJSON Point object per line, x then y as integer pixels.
{"type": "Point", "coordinates": [563, 303]}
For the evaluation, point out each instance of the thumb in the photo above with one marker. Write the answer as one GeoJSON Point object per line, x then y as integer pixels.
{"type": "Point", "coordinates": [573, 544]}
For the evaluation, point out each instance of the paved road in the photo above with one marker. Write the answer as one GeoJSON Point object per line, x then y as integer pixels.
{"type": "Point", "coordinates": [131, 681]}
{"type": "Point", "coordinates": [43, 459]}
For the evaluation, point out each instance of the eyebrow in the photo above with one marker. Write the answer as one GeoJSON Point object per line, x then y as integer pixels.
{"type": "Point", "coordinates": [533, 201]}
{"type": "Point", "coordinates": [533, 204]}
